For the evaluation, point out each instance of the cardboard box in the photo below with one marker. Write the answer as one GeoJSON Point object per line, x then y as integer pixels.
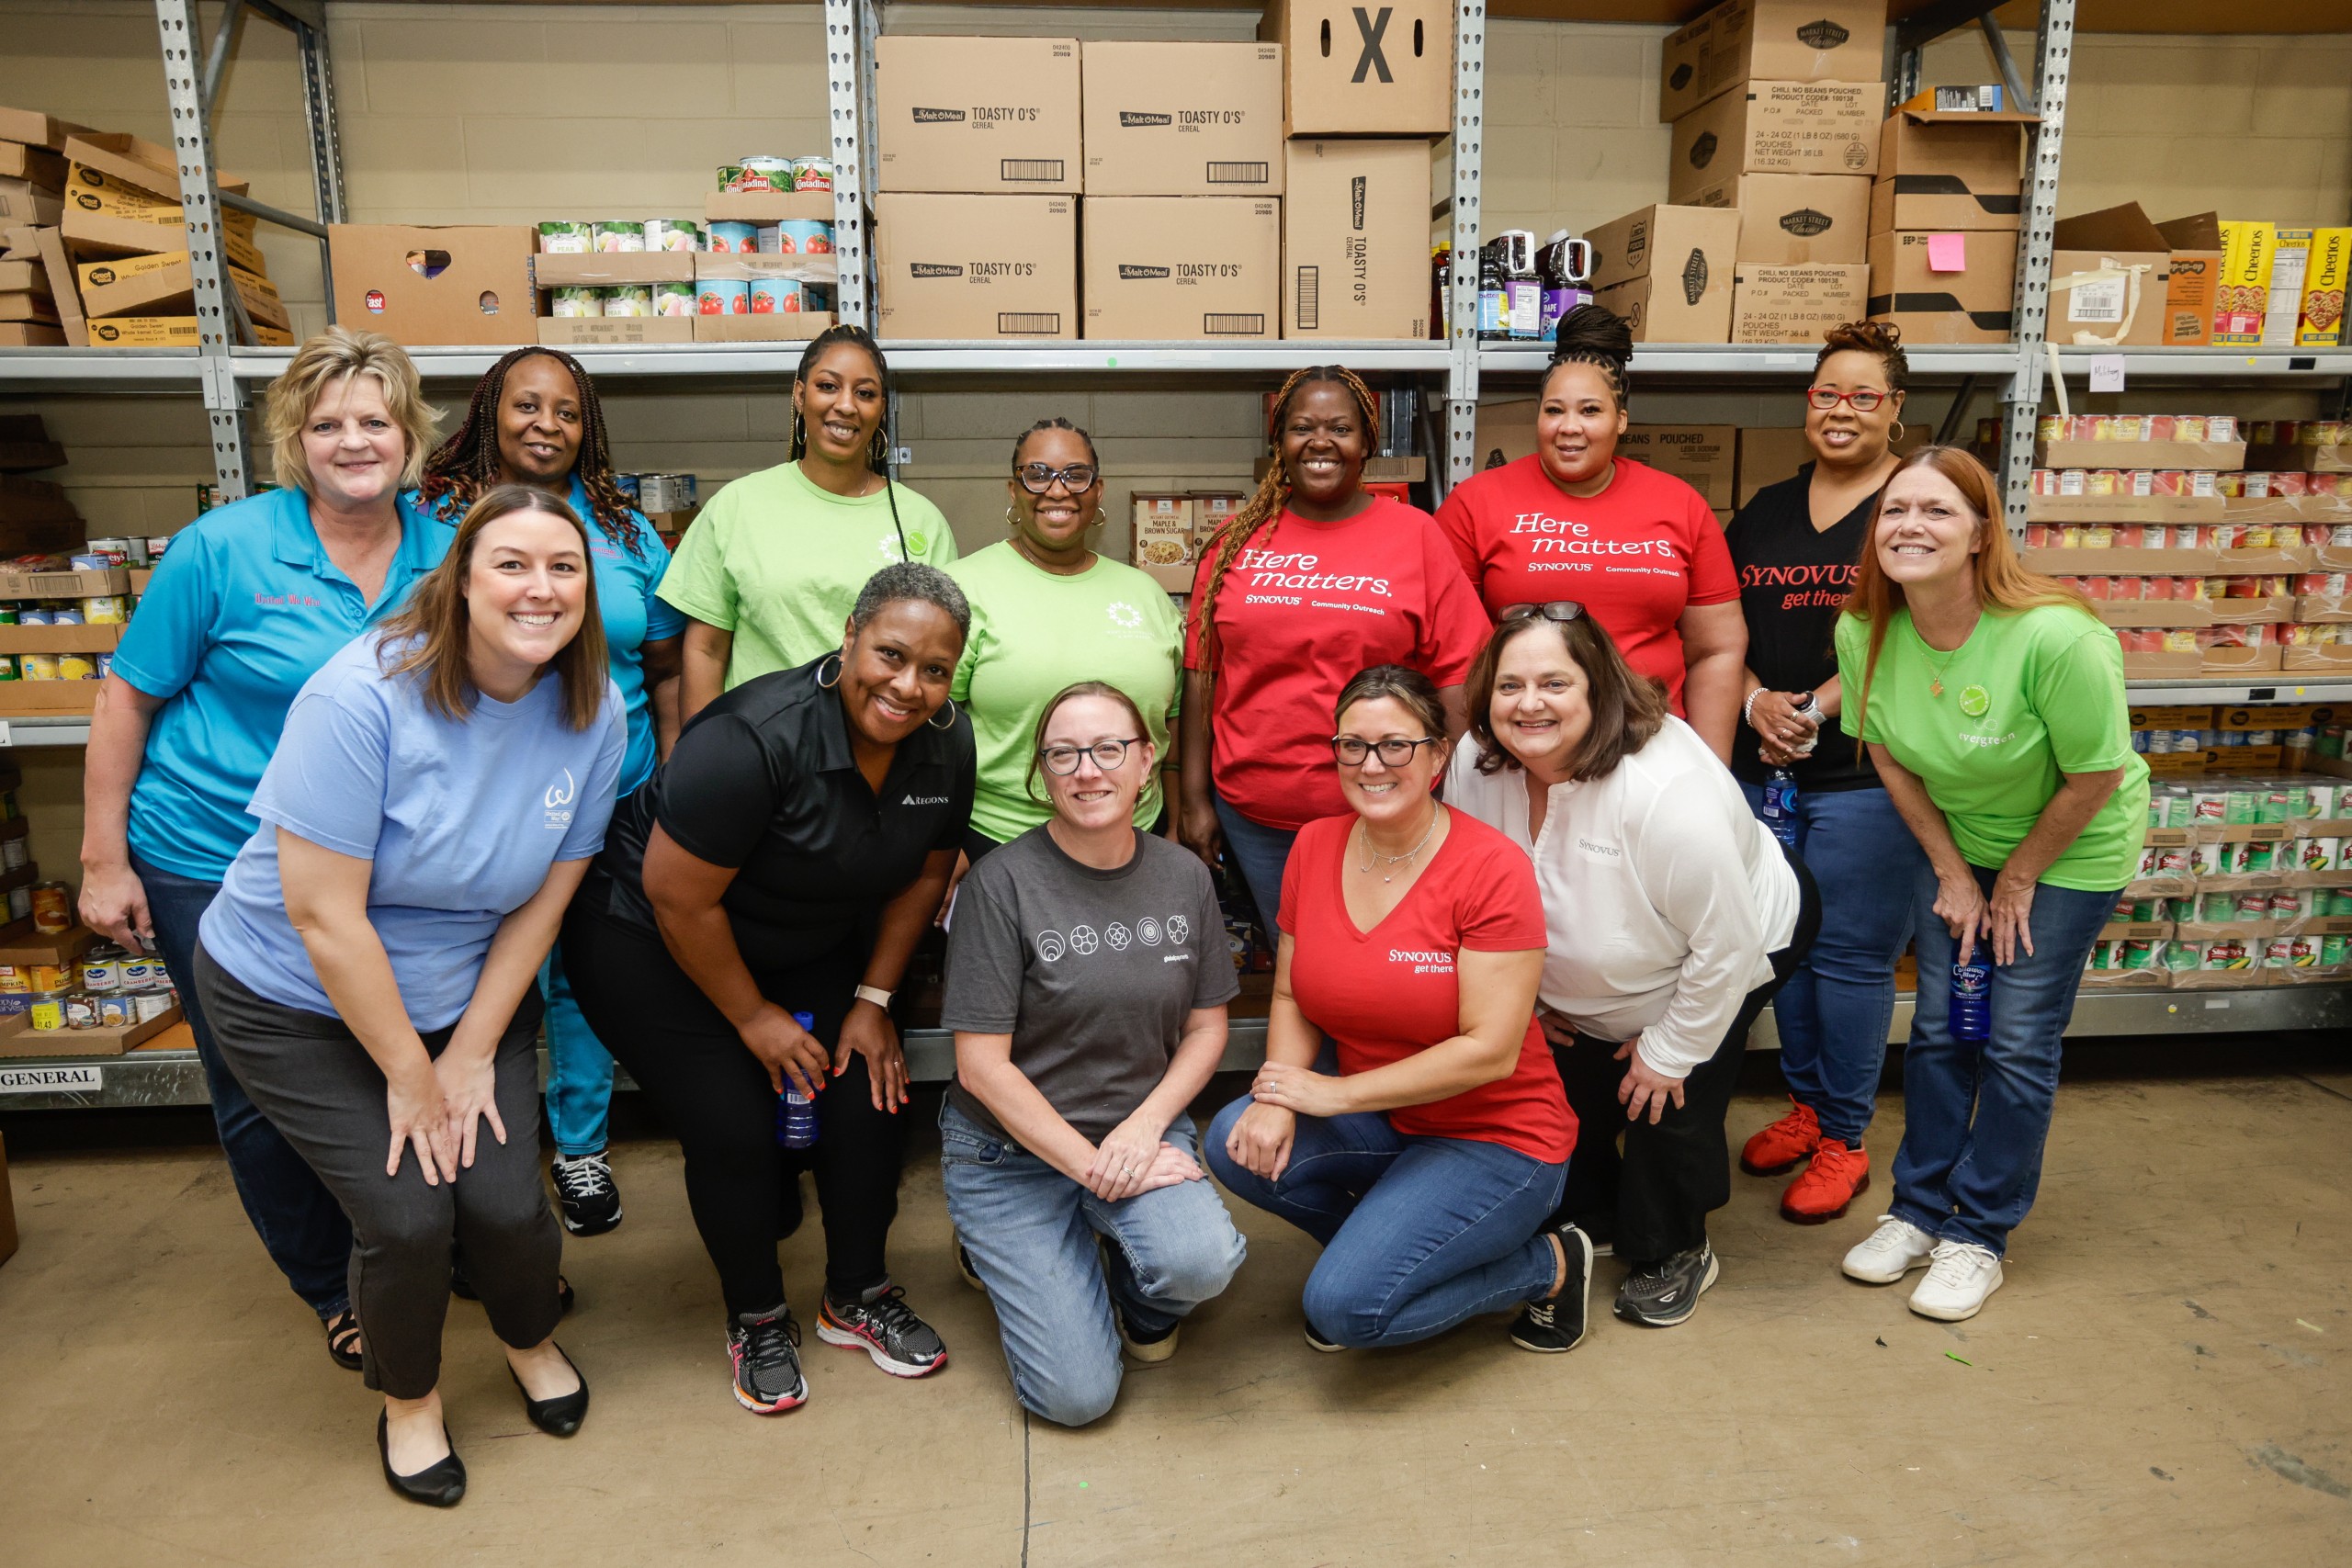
{"type": "Point", "coordinates": [435, 284]}
{"type": "Point", "coordinates": [2195, 280]}
{"type": "Point", "coordinates": [1791, 40]}
{"type": "Point", "coordinates": [2108, 298]}
{"type": "Point", "coordinates": [89, 232]}
{"type": "Point", "coordinates": [100, 639]}
{"type": "Point", "coordinates": [22, 942]}
{"type": "Point", "coordinates": [767, 206]}
{"type": "Point", "coordinates": [46, 246]}
{"type": "Point", "coordinates": [1971, 303]}
{"type": "Point", "coordinates": [2319, 314]}
{"type": "Point", "coordinates": [1505, 431]}
{"type": "Point", "coordinates": [1363, 71]}
{"type": "Point", "coordinates": [31, 334]}
{"type": "Point", "coordinates": [21, 202]}
{"type": "Point", "coordinates": [1700, 456]}
{"type": "Point", "coordinates": [600, 270]}
{"type": "Point", "coordinates": [783, 326]}
{"type": "Point", "coordinates": [1793, 219]}
{"type": "Point", "coordinates": [978, 115]}
{"type": "Point", "coordinates": [38, 129]}
{"type": "Point", "coordinates": [2069, 454]}
{"type": "Point", "coordinates": [19, 1038]}
{"type": "Point", "coordinates": [1777, 128]}
{"type": "Point", "coordinates": [170, 332]}
{"type": "Point", "coordinates": [1183, 267]}
{"type": "Point", "coordinates": [114, 161]}
{"type": "Point", "coordinates": [1692, 243]}
{"type": "Point", "coordinates": [161, 284]}
{"type": "Point", "coordinates": [1796, 304]}
{"type": "Point", "coordinates": [2242, 298]}
{"type": "Point", "coordinates": [1950, 169]}
{"type": "Point", "coordinates": [1161, 540]}
{"type": "Point", "coordinates": [976, 266]}
{"type": "Point", "coordinates": [1185, 119]}
{"type": "Point", "coordinates": [36, 699]}
{"type": "Point", "coordinates": [567, 332]}
{"type": "Point", "coordinates": [23, 276]}
{"type": "Point", "coordinates": [35, 166]}
{"type": "Point", "coordinates": [1671, 310]}
{"type": "Point", "coordinates": [1356, 239]}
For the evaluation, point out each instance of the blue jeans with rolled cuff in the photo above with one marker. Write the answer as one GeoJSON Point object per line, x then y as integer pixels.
{"type": "Point", "coordinates": [1833, 1013]}
{"type": "Point", "coordinates": [580, 1070]}
{"type": "Point", "coordinates": [1032, 1235]}
{"type": "Point", "coordinates": [1977, 1113]}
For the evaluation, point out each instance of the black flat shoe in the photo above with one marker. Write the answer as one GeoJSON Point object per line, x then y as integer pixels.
{"type": "Point", "coordinates": [343, 1339]}
{"type": "Point", "coordinates": [559, 1417]}
{"type": "Point", "coordinates": [441, 1484]}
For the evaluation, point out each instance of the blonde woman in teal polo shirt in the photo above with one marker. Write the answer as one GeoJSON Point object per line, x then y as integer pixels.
{"type": "Point", "coordinates": [253, 598]}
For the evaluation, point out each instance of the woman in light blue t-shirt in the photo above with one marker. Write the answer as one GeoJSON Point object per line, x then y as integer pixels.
{"type": "Point", "coordinates": [368, 964]}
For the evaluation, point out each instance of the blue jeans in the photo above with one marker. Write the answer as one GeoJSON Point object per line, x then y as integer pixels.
{"type": "Point", "coordinates": [1833, 1013]}
{"type": "Point", "coordinates": [300, 1222]}
{"type": "Point", "coordinates": [1031, 1232]}
{"type": "Point", "coordinates": [1977, 1114]}
{"type": "Point", "coordinates": [1259, 852]}
{"type": "Point", "coordinates": [580, 1070]}
{"type": "Point", "coordinates": [1418, 1232]}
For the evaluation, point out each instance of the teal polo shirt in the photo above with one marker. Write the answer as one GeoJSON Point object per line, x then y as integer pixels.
{"type": "Point", "coordinates": [245, 608]}
{"type": "Point", "coordinates": [632, 615]}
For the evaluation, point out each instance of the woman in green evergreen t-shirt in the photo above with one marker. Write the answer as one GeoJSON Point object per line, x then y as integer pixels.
{"type": "Point", "coordinates": [768, 571]}
{"type": "Point", "coordinates": [1992, 703]}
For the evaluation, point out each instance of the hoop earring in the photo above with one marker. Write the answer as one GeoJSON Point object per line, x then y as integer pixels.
{"type": "Point", "coordinates": [934, 719]}
{"type": "Point", "coordinates": [836, 681]}
{"type": "Point", "coordinates": [1010, 521]}
{"type": "Point", "coordinates": [1897, 434]}
{"type": "Point", "coordinates": [799, 433]}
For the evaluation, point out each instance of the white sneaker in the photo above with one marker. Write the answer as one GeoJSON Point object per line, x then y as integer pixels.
{"type": "Point", "coordinates": [1955, 1288]}
{"type": "Point", "coordinates": [1893, 1249]}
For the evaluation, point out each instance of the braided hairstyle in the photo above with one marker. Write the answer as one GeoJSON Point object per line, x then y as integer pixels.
{"type": "Point", "coordinates": [464, 468]}
{"type": "Point", "coordinates": [1273, 492]}
{"type": "Point", "coordinates": [1598, 336]}
{"type": "Point", "coordinates": [877, 451]}
{"type": "Point", "coordinates": [1056, 422]}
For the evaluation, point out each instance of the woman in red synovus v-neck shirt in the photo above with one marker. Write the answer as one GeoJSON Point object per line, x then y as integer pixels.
{"type": "Point", "coordinates": [1312, 582]}
{"type": "Point", "coordinates": [1637, 549]}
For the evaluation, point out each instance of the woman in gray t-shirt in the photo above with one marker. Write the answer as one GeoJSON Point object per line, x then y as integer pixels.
{"type": "Point", "coordinates": [1087, 978]}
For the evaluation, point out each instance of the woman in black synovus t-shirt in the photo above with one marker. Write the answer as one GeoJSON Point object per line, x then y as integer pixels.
{"type": "Point", "coordinates": [1795, 548]}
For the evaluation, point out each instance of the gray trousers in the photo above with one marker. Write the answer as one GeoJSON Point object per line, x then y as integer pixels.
{"type": "Point", "coordinates": [310, 1075]}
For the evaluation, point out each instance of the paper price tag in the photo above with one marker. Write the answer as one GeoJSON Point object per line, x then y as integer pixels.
{"type": "Point", "coordinates": [2106, 373]}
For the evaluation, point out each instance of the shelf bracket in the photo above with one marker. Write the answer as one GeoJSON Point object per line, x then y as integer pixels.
{"type": "Point", "coordinates": [208, 260]}
{"type": "Point", "coordinates": [2037, 228]}
{"type": "Point", "coordinates": [1462, 305]}
{"type": "Point", "coordinates": [850, 28]}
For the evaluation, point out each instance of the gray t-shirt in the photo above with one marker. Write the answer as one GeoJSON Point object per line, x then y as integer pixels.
{"type": "Point", "coordinates": [1090, 972]}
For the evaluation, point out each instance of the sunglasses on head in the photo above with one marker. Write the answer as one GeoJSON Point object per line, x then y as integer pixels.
{"type": "Point", "coordinates": [1558, 610]}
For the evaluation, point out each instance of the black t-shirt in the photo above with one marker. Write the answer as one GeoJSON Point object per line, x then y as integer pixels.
{"type": "Point", "coordinates": [764, 780]}
{"type": "Point", "coordinates": [1793, 578]}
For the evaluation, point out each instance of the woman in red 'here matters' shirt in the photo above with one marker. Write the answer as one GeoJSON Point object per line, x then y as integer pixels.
{"type": "Point", "coordinates": [1312, 580]}
{"type": "Point", "coordinates": [1637, 549]}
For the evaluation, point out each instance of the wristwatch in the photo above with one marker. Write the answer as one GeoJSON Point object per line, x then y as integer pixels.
{"type": "Point", "coordinates": [875, 995]}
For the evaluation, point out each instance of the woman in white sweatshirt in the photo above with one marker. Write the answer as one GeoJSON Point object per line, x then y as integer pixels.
{"type": "Point", "coordinates": [1672, 915]}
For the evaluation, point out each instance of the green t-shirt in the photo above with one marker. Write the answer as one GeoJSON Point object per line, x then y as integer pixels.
{"type": "Point", "coordinates": [2027, 697]}
{"type": "Point", "coordinates": [778, 562]}
{"type": "Point", "coordinates": [1035, 632]}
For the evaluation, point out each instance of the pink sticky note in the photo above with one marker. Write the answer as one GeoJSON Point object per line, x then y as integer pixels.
{"type": "Point", "coordinates": [1947, 253]}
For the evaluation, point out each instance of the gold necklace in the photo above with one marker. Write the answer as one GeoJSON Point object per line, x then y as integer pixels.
{"type": "Point", "coordinates": [1371, 853]}
{"type": "Point", "coordinates": [1935, 683]}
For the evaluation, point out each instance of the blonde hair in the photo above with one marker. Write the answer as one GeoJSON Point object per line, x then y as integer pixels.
{"type": "Point", "coordinates": [335, 356]}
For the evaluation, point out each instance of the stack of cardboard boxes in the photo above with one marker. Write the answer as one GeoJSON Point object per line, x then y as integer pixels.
{"type": "Point", "coordinates": [1163, 191]}
{"type": "Point", "coordinates": [1944, 217]}
{"type": "Point", "coordinates": [1776, 108]}
{"type": "Point", "coordinates": [34, 275]}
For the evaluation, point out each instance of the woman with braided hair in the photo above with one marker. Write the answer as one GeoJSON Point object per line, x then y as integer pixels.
{"type": "Point", "coordinates": [535, 419]}
{"type": "Point", "coordinates": [1637, 549]}
{"type": "Point", "coordinates": [1311, 582]}
{"type": "Point", "coordinates": [770, 570]}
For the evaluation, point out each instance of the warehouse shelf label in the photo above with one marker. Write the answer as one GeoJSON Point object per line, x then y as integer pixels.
{"type": "Point", "coordinates": [52, 1080]}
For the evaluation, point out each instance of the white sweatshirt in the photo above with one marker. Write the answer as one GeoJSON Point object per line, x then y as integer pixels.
{"type": "Point", "coordinates": [1662, 893]}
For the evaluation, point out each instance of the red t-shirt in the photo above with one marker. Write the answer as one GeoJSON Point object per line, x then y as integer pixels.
{"type": "Point", "coordinates": [1636, 555]}
{"type": "Point", "coordinates": [1302, 612]}
{"type": "Point", "coordinates": [1391, 992]}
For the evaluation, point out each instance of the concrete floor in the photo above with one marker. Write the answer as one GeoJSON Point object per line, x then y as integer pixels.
{"type": "Point", "coordinates": [2162, 1381]}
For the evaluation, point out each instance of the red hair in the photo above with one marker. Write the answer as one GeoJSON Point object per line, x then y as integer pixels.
{"type": "Point", "coordinates": [2004, 586]}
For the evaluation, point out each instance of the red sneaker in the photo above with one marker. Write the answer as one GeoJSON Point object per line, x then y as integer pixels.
{"type": "Point", "coordinates": [1829, 1183]}
{"type": "Point", "coordinates": [1779, 1148]}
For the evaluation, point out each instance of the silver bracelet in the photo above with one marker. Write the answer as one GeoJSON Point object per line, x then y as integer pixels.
{"type": "Point", "coordinates": [1748, 708]}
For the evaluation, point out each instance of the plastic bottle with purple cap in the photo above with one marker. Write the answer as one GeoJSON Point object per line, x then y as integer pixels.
{"type": "Point", "coordinates": [795, 1114]}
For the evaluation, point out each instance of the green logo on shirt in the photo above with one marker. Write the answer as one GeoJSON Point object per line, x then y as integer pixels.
{"type": "Point", "coordinates": [1974, 701]}
{"type": "Point", "coordinates": [917, 544]}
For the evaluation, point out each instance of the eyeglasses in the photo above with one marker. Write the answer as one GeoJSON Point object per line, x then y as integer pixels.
{"type": "Point", "coordinates": [1062, 760]}
{"type": "Point", "coordinates": [1561, 610]}
{"type": "Point", "coordinates": [1037, 479]}
{"type": "Point", "coordinates": [1830, 398]}
{"type": "Point", "coordinates": [1350, 752]}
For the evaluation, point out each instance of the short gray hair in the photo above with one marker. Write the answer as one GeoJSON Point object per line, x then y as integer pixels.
{"type": "Point", "coordinates": [911, 579]}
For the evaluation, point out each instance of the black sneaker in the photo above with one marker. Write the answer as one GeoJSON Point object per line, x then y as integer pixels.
{"type": "Point", "coordinates": [766, 1353]}
{"type": "Point", "coordinates": [885, 1327]}
{"type": "Point", "coordinates": [586, 1195]}
{"type": "Point", "coordinates": [1665, 1293]}
{"type": "Point", "coordinates": [1559, 1323]}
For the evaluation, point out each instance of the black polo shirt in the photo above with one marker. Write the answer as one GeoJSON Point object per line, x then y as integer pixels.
{"type": "Point", "coordinates": [1793, 578]}
{"type": "Point", "coordinates": [764, 780]}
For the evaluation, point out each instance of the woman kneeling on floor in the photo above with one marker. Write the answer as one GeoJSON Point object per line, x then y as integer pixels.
{"type": "Point", "coordinates": [1087, 978]}
{"type": "Point", "coordinates": [1428, 1161]}
{"type": "Point", "coordinates": [368, 967]}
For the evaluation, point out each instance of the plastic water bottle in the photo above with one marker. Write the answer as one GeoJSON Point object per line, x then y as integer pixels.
{"type": "Point", "coordinates": [795, 1114]}
{"type": "Point", "coordinates": [1780, 811]}
{"type": "Point", "coordinates": [1810, 710]}
{"type": "Point", "coordinates": [1972, 1000]}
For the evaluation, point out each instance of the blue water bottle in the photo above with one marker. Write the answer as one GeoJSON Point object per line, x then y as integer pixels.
{"type": "Point", "coordinates": [1780, 811]}
{"type": "Point", "coordinates": [795, 1114]}
{"type": "Point", "coordinates": [1972, 1000]}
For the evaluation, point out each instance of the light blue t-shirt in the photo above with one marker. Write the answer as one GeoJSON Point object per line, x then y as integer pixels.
{"type": "Point", "coordinates": [245, 608]}
{"type": "Point", "coordinates": [632, 615]}
{"type": "Point", "coordinates": [462, 818]}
